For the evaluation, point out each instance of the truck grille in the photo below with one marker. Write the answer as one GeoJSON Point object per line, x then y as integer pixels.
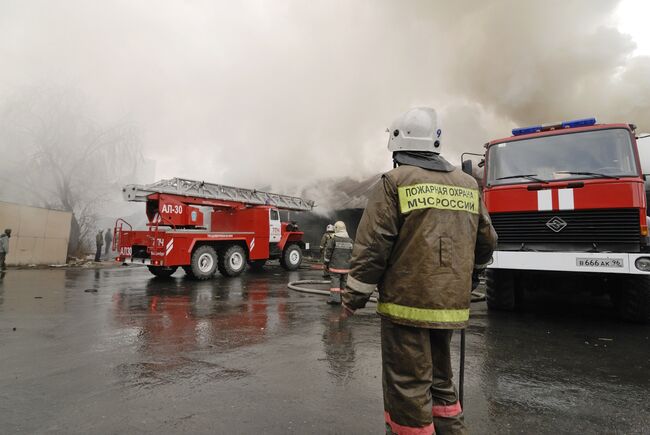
{"type": "Point", "coordinates": [603, 227]}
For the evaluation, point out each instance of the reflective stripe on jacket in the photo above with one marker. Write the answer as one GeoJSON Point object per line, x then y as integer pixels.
{"type": "Point", "coordinates": [420, 237]}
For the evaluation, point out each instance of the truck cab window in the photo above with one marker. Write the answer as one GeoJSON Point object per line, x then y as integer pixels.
{"type": "Point", "coordinates": [275, 216]}
{"type": "Point", "coordinates": [563, 156]}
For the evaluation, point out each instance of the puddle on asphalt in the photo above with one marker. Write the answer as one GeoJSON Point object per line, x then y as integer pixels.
{"type": "Point", "coordinates": [180, 316]}
{"type": "Point", "coordinates": [26, 292]}
{"type": "Point", "coordinates": [149, 374]}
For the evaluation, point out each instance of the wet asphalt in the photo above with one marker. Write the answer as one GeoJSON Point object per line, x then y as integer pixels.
{"type": "Point", "coordinates": [114, 350]}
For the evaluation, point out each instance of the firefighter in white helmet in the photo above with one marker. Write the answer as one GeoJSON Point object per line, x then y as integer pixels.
{"type": "Point", "coordinates": [423, 232]}
{"type": "Point", "coordinates": [337, 259]}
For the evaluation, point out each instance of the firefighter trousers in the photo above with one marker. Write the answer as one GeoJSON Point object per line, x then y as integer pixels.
{"type": "Point", "coordinates": [338, 284]}
{"type": "Point", "coordinates": [326, 272]}
{"type": "Point", "coordinates": [419, 394]}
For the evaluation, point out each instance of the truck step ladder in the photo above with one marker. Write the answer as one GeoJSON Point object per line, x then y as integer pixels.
{"type": "Point", "coordinates": [201, 189]}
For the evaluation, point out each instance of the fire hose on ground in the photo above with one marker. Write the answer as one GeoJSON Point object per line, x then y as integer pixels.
{"type": "Point", "coordinates": [476, 297]}
{"type": "Point", "coordinates": [299, 287]}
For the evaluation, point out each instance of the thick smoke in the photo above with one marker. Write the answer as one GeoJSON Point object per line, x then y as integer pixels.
{"type": "Point", "coordinates": [285, 93]}
{"type": "Point", "coordinates": [532, 62]}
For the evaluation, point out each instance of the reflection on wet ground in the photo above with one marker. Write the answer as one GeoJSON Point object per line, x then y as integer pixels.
{"type": "Point", "coordinates": [176, 318]}
{"type": "Point", "coordinates": [116, 351]}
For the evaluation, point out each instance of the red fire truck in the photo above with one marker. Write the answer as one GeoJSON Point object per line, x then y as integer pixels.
{"type": "Point", "coordinates": [204, 227]}
{"type": "Point", "coordinates": [569, 206]}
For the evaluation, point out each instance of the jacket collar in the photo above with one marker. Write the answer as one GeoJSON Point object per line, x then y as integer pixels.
{"type": "Point", "coordinates": [424, 160]}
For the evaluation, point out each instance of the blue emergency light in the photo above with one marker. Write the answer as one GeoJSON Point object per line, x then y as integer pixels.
{"type": "Point", "coordinates": [584, 122]}
{"type": "Point", "coordinates": [526, 130]}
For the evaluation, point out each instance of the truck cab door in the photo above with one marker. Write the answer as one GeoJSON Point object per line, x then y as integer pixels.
{"type": "Point", "coordinates": [275, 226]}
{"type": "Point", "coordinates": [643, 146]}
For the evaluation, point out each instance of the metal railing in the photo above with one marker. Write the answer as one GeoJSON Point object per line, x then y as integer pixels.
{"type": "Point", "coordinates": [155, 226]}
{"type": "Point", "coordinates": [117, 233]}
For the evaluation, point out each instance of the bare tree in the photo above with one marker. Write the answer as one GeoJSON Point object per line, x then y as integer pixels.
{"type": "Point", "coordinates": [57, 156]}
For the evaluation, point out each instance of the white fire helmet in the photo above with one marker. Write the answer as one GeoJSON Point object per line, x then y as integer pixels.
{"type": "Point", "coordinates": [330, 228]}
{"type": "Point", "coordinates": [339, 226]}
{"type": "Point", "coordinates": [416, 130]}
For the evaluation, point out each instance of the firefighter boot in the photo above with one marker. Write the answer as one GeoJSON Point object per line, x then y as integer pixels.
{"type": "Point", "coordinates": [335, 297]}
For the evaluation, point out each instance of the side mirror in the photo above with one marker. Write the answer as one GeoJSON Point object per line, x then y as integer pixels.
{"type": "Point", "coordinates": [467, 167]}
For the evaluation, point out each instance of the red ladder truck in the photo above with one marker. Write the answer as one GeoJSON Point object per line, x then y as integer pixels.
{"type": "Point", "coordinates": [205, 227]}
{"type": "Point", "coordinates": [569, 206]}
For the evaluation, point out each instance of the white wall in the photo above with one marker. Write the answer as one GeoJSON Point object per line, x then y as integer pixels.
{"type": "Point", "coordinates": [39, 236]}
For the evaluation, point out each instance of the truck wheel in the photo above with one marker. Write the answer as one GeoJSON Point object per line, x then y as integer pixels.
{"type": "Point", "coordinates": [257, 265]}
{"type": "Point", "coordinates": [291, 257]}
{"type": "Point", "coordinates": [632, 299]}
{"type": "Point", "coordinates": [500, 290]}
{"type": "Point", "coordinates": [232, 261]}
{"type": "Point", "coordinates": [162, 271]}
{"type": "Point", "coordinates": [204, 262]}
{"type": "Point", "coordinates": [188, 272]}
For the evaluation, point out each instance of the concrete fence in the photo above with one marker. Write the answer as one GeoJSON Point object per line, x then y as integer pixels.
{"type": "Point", "coordinates": [39, 236]}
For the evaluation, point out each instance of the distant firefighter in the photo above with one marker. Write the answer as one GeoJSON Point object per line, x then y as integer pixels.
{"type": "Point", "coordinates": [4, 249]}
{"type": "Point", "coordinates": [337, 260]}
{"type": "Point", "coordinates": [99, 241]}
{"type": "Point", "coordinates": [108, 238]}
{"type": "Point", "coordinates": [329, 232]}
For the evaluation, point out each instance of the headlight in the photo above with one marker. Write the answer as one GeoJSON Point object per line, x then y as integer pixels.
{"type": "Point", "coordinates": [643, 263]}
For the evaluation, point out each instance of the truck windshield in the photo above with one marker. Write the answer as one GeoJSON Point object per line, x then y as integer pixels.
{"type": "Point", "coordinates": [589, 154]}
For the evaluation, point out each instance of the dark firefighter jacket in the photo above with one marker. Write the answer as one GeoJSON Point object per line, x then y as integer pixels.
{"type": "Point", "coordinates": [337, 253]}
{"type": "Point", "coordinates": [4, 244]}
{"type": "Point", "coordinates": [421, 235]}
{"type": "Point", "coordinates": [99, 239]}
{"type": "Point", "coordinates": [324, 240]}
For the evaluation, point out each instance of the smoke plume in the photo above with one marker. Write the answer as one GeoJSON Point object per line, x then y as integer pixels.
{"type": "Point", "coordinates": [285, 93]}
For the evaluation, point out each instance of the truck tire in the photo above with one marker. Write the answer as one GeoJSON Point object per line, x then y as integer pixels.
{"type": "Point", "coordinates": [291, 257]}
{"type": "Point", "coordinates": [632, 299]}
{"type": "Point", "coordinates": [500, 290]}
{"type": "Point", "coordinates": [257, 265]}
{"type": "Point", "coordinates": [232, 261]}
{"type": "Point", "coordinates": [162, 271]}
{"type": "Point", "coordinates": [188, 272]}
{"type": "Point", "coordinates": [204, 262]}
